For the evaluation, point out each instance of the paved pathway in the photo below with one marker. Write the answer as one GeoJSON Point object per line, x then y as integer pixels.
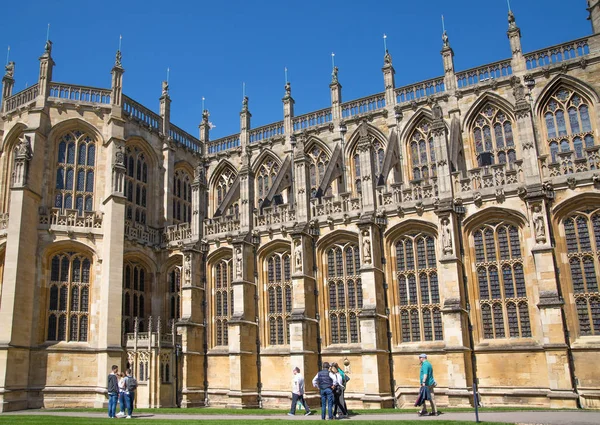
{"type": "Point", "coordinates": [575, 417]}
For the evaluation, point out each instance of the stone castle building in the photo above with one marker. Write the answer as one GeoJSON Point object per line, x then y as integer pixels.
{"type": "Point", "coordinates": [458, 216]}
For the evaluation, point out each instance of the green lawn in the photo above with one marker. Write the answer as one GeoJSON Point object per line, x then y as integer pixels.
{"type": "Point", "coordinates": [60, 420]}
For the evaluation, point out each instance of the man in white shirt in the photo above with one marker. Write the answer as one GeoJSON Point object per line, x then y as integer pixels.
{"type": "Point", "coordinates": [298, 393]}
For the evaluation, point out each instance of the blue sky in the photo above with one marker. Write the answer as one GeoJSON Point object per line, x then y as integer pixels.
{"type": "Point", "coordinates": [212, 47]}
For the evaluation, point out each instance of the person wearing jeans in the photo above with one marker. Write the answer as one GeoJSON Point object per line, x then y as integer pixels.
{"type": "Point", "coordinates": [426, 379]}
{"type": "Point", "coordinates": [113, 391]}
{"type": "Point", "coordinates": [324, 381]}
{"type": "Point", "coordinates": [130, 394]}
{"type": "Point", "coordinates": [298, 393]}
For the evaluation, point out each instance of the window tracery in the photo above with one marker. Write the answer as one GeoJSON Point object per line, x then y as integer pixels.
{"type": "Point", "coordinates": [568, 124]}
{"type": "Point", "coordinates": [318, 164]}
{"type": "Point", "coordinates": [279, 298]}
{"type": "Point", "coordinates": [582, 234]}
{"type": "Point", "coordinates": [135, 293]}
{"type": "Point", "coordinates": [265, 177]}
{"type": "Point", "coordinates": [136, 185]}
{"type": "Point", "coordinates": [501, 281]}
{"type": "Point", "coordinates": [422, 151]}
{"type": "Point", "coordinates": [222, 186]}
{"type": "Point", "coordinates": [174, 286]}
{"type": "Point", "coordinates": [345, 296]}
{"type": "Point", "coordinates": [75, 171]}
{"type": "Point", "coordinates": [223, 301]}
{"type": "Point", "coordinates": [494, 138]}
{"type": "Point", "coordinates": [182, 197]}
{"type": "Point", "coordinates": [418, 289]}
{"type": "Point", "coordinates": [69, 291]}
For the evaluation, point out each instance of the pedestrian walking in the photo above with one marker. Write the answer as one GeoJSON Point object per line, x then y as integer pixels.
{"type": "Point", "coordinates": [112, 387]}
{"type": "Point", "coordinates": [426, 379]}
{"type": "Point", "coordinates": [298, 393]}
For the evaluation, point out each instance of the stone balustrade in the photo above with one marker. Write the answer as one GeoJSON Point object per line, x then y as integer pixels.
{"type": "Point", "coordinates": [363, 106]}
{"type": "Point", "coordinates": [142, 114]}
{"type": "Point", "coordinates": [184, 139]}
{"type": "Point", "coordinates": [223, 224]}
{"type": "Point", "coordinates": [75, 93]}
{"type": "Point", "coordinates": [71, 218]}
{"type": "Point", "coordinates": [177, 232]}
{"type": "Point", "coordinates": [266, 132]}
{"type": "Point", "coordinates": [21, 98]}
{"type": "Point", "coordinates": [484, 73]}
{"type": "Point", "coordinates": [312, 119]}
{"type": "Point", "coordinates": [277, 214]}
{"type": "Point", "coordinates": [142, 233]}
{"type": "Point", "coordinates": [420, 90]}
{"type": "Point", "coordinates": [570, 162]}
{"type": "Point", "coordinates": [329, 205]}
{"type": "Point", "coordinates": [556, 54]}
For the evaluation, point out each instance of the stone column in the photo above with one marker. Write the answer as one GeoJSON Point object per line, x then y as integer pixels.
{"type": "Point", "coordinates": [46, 67]}
{"type": "Point", "coordinates": [245, 173]}
{"type": "Point", "coordinates": [303, 321]}
{"type": "Point", "coordinates": [458, 373]}
{"type": "Point", "coordinates": [191, 327]}
{"type": "Point", "coordinates": [388, 80]}
{"type": "Point", "coordinates": [336, 98]}
{"type": "Point", "coordinates": [204, 133]}
{"type": "Point", "coordinates": [367, 181]}
{"type": "Point", "coordinates": [116, 87]}
{"type": "Point", "coordinates": [594, 15]}
{"type": "Point", "coordinates": [545, 295]}
{"type": "Point", "coordinates": [168, 149]}
{"type": "Point", "coordinates": [372, 319]}
{"type": "Point", "coordinates": [20, 287]}
{"type": "Point", "coordinates": [440, 141]}
{"type": "Point", "coordinates": [527, 135]}
{"type": "Point", "coordinates": [199, 207]}
{"type": "Point", "coordinates": [301, 184]}
{"type": "Point", "coordinates": [448, 58]}
{"type": "Point", "coordinates": [243, 328]}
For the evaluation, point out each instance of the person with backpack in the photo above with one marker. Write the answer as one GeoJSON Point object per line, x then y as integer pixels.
{"type": "Point", "coordinates": [130, 386]}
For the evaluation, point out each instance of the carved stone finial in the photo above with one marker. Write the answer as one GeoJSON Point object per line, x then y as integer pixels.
{"type": "Point", "coordinates": [245, 104]}
{"type": "Point", "coordinates": [24, 148]}
{"type": "Point", "coordinates": [48, 47]}
{"type": "Point", "coordinates": [118, 57]}
{"type": "Point", "coordinates": [205, 116]}
{"type": "Point", "coordinates": [512, 25]}
{"type": "Point", "coordinates": [10, 70]}
{"type": "Point", "coordinates": [165, 88]}
{"type": "Point", "coordinates": [334, 75]}
{"type": "Point", "coordinates": [288, 90]}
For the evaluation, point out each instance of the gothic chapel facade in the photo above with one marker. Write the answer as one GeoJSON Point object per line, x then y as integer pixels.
{"type": "Point", "coordinates": [458, 216]}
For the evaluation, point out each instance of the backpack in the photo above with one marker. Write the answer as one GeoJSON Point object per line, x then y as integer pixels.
{"type": "Point", "coordinates": [131, 383]}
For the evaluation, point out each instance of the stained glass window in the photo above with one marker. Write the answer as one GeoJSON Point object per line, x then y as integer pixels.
{"type": "Point", "coordinates": [493, 137]}
{"type": "Point", "coordinates": [501, 282]}
{"type": "Point", "coordinates": [582, 234]}
{"type": "Point", "coordinates": [279, 292]}
{"type": "Point", "coordinates": [182, 199]}
{"type": "Point", "coordinates": [345, 300]}
{"type": "Point", "coordinates": [136, 184]}
{"type": "Point", "coordinates": [418, 290]}
{"type": "Point", "coordinates": [422, 151]}
{"type": "Point", "coordinates": [68, 297]}
{"type": "Point", "coordinates": [265, 176]}
{"type": "Point", "coordinates": [134, 295]}
{"type": "Point", "coordinates": [223, 308]}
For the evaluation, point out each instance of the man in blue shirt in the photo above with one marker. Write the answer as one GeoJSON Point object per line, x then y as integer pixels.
{"type": "Point", "coordinates": [426, 379]}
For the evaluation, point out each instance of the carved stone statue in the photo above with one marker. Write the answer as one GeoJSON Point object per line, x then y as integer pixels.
{"type": "Point", "coordinates": [334, 75]}
{"type": "Point", "coordinates": [511, 21]}
{"type": "Point", "coordinates": [238, 262]}
{"type": "Point", "coordinates": [446, 237]}
{"type": "Point", "coordinates": [519, 93]}
{"type": "Point", "coordinates": [438, 114]}
{"type": "Point", "coordinates": [245, 104]}
{"type": "Point", "coordinates": [48, 47]}
{"type": "Point", "coordinates": [387, 58]}
{"type": "Point", "coordinates": [288, 89]}
{"type": "Point", "coordinates": [445, 40]}
{"type": "Point", "coordinates": [298, 256]}
{"type": "Point", "coordinates": [24, 148]}
{"type": "Point", "coordinates": [165, 88]}
{"type": "Point", "coordinates": [539, 227]}
{"type": "Point", "coordinates": [10, 69]}
{"type": "Point", "coordinates": [118, 57]}
{"type": "Point", "coordinates": [366, 247]}
{"type": "Point", "coordinates": [119, 157]}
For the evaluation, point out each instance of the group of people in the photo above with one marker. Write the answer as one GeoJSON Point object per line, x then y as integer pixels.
{"type": "Point", "coordinates": [121, 387]}
{"type": "Point", "coordinates": [331, 382]}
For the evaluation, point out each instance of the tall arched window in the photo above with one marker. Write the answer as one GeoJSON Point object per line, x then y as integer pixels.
{"type": "Point", "coordinates": [501, 281]}
{"type": "Point", "coordinates": [222, 186]}
{"type": "Point", "coordinates": [344, 293]}
{"type": "Point", "coordinates": [223, 301]}
{"type": "Point", "coordinates": [378, 153]}
{"type": "Point", "coordinates": [418, 289]}
{"type": "Point", "coordinates": [568, 123]}
{"type": "Point", "coordinates": [279, 298]}
{"type": "Point", "coordinates": [136, 185]}
{"type": "Point", "coordinates": [493, 137]}
{"type": "Point", "coordinates": [582, 233]}
{"type": "Point", "coordinates": [136, 294]}
{"type": "Point", "coordinates": [357, 177]}
{"type": "Point", "coordinates": [75, 167]}
{"type": "Point", "coordinates": [422, 152]}
{"type": "Point", "coordinates": [318, 163]}
{"type": "Point", "coordinates": [174, 283]}
{"type": "Point", "coordinates": [69, 297]}
{"type": "Point", "coordinates": [182, 197]}
{"type": "Point", "coordinates": [265, 177]}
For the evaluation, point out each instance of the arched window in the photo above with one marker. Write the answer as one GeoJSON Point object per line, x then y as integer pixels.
{"type": "Point", "coordinates": [174, 287]}
{"type": "Point", "coordinates": [265, 177]}
{"type": "Point", "coordinates": [344, 293]}
{"type": "Point", "coordinates": [422, 151]}
{"type": "Point", "coordinates": [569, 127]}
{"type": "Point", "coordinates": [357, 177]}
{"type": "Point", "coordinates": [418, 289]}
{"type": "Point", "coordinates": [75, 170]}
{"type": "Point", "coordinates": [378, 153]}
{"type": "Point", "coordinates": [69, 297]}
{"type": "Point", "coordinates": [136, 295]}
{"type": "Point", "coordinates": [318, 163]}
{"type": "Point", "coordinates": [182, 197]}
{"type": "Point", "coordinates": [222, 186]}
{"type": "Point", "coordinates": [279, 298]}
{"type": "Point", "coordinates": [501, 281]}
{"type": "Point", "coordinates": [223, 300]}
{"type": "Point", "coordinates": [493, 137]}
{"type": "Point", "coordinates": [582, 233]}
{"type": "Point", "coordinates": [136, 185]}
